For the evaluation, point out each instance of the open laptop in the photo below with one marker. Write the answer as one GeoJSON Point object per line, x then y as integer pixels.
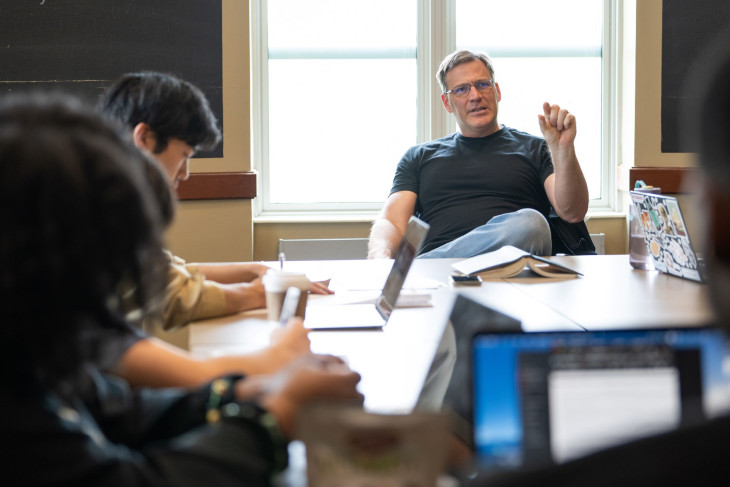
{"type": "Point", "coordinates": [666, 235]}
{"type": "Point", "coordinates": [350, 316]}
{"type": "Point", "coordinates": [545, 398]}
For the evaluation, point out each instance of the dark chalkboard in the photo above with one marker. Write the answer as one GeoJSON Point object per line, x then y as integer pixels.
{"type": "Point", "coordinates": [82, 46]}
{"type": "Point", "coordinates": [688, 29]}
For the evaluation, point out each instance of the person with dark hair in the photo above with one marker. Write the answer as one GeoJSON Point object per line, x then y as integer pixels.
{"type": "Point", "coordinates": [487, 185]}
{"type": "Point", "coordinates": [81, 250]}
{"type": "Point", "coordinates": [170, 118]}
{"type": "Point", "coordinates": [694, 454]}
{"type": "Point", "coordinates": [153, 362]}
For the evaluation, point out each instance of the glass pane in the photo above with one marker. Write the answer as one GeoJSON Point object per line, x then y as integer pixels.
{"type": "Point", "coordinates": [342, 98]}
{"type": "Point", "coordinates": [529, 24]}
{"type": "Point", "coordinates": [552, 53]}
{"type": "Point", "coordinates": [523, 94]}
{"type": "Point", "coordinates": [338, 127]}
{"type": "Point", "coordinates": [341, 24]}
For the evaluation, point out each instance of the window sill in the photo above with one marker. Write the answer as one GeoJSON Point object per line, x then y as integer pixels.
{"type": "Point", "coordinates": [317, 218]}
{"type": "Point", "coordinates": [600, 215]}
{"type": "Point", "coordinates": [370, 217]}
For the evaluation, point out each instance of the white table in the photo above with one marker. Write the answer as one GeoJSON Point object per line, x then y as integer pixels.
{"type": "Point", "coordinates": [394, 362]}
{"type": "Point", "coordinates": [611, 294]}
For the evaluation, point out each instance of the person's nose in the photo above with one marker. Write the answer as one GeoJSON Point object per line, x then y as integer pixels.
{"type": "Point", "coordinates": [184, 172]}
{"type": "Point", "coordinates": [474, 93]}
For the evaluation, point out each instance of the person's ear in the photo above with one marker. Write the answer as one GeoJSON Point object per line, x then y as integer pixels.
{"type": "Point", "coordinates": [144, 137]}
{"type": "Point", "coordinates": [445, 101]}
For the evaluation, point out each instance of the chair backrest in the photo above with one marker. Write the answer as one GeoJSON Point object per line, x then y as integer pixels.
{"type": "Point", "coordinates": [324, 248]}
{"type": "Point", "coordinates": [570, 238]}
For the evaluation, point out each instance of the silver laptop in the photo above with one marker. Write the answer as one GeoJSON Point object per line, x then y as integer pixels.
{"type": "Point", "coordinates": [666, 235]}
{"type": "Point", "coordinates": [358, 316]}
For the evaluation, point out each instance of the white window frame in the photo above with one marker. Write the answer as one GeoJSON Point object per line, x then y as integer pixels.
{"type": "Point", "coordinates": [436, 38]}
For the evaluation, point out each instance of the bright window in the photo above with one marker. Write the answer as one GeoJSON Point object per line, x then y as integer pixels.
{"type": "Point", "coordinates": [552, 53]}
{"type": "Point", "coordinates": [342, 88]}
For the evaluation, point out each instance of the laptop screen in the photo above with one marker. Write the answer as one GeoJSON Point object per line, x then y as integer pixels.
{"type": "Point", "coordinates": [666, 235]}
{"type": "Point", "coordinates": [542, 398]}
{"type": "Point", "coordinates": [402, 260]}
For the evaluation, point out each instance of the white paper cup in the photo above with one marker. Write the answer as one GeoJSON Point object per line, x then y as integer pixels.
{"type": "Point", "coordinates": [275, 285]}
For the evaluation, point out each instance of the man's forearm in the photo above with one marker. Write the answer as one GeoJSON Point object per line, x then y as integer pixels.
{"type": "Point", "coordinates": [571, 190]}
{"type": "Point", "coordinates": [568, 191]}
{"type": "Point", "coordinates": [384, 238]}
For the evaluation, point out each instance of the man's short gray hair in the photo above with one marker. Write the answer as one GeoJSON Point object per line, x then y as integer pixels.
{"type": "Point", "coordinates": [460, 57]}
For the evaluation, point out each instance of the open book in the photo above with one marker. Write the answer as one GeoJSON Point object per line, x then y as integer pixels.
{"type": "Point", "coordinates": [510, 261]}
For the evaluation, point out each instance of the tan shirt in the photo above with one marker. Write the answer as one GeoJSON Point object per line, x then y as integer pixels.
{"type": "Point", "coordinates": [189, 295]}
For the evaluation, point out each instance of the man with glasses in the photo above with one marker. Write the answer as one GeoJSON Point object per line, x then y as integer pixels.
{"type": "Point", "coordinates": [486, 185]}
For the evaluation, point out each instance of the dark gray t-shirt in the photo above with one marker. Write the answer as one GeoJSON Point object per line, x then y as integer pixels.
{"type": "Point", "coordinates": [464, 182]}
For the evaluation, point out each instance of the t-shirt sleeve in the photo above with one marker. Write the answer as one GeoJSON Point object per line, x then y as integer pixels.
{"type": "Point", "coordinates": [110, 344]}
{"type": "Point", "coordinates": [406, 174]}
{"type": "Point", "coordinates": [546, 162]}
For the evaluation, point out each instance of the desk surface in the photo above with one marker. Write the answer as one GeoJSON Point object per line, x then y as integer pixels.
{"type": "Point", "coordinates": [611, 294]}
{"type": "Point", "coordinates": [394, 362]}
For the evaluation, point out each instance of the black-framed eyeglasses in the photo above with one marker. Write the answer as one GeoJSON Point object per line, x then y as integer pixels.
{"type": "Point", "coordinates": [481, 85]}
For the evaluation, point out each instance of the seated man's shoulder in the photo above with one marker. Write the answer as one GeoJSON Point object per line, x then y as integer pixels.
{"type": "Point", "coordinates": [517, 140]}
{"type": "Point", "coordinates": [426, 150]}
{"type": "Point", "coordinates": [447, 141]}
{"type": "Point", "coordinates": [521, 136]}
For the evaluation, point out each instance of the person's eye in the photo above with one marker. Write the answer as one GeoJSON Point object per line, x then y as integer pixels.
{"type": "Point", "coordinates": [461, 90]}
{"type": "Point", "coordinates": [484, 84]}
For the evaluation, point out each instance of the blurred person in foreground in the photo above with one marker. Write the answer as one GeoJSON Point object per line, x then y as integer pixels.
{"type": "Point", "coordinates": [82, 249]}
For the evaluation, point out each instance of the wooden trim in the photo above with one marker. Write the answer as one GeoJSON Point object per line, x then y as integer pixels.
{"type": "Point", "coordinates": [218, 186]}
{"type": "Point", "coordinates": [669, 179]}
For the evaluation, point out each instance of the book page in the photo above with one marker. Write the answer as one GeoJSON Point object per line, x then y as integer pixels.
{"type": "Point", "coordinates": [499, 258]}
{"type": "Point", "coordinates": [550, 269]}
{"type": "Point", "coordinates": [507, 270]}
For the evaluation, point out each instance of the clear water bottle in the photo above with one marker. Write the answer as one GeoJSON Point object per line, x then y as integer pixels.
{"type": "Point", "coordinates": [639, 257]}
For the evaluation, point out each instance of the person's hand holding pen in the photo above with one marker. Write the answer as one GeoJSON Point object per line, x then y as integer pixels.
{"type": "Point", "coordinates": [288, 343]}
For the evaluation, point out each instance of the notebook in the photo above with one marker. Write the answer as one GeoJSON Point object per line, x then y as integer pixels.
{"type": "Point", "coordinates": [666, 235]}
{"type": "Point", "coordinates": [349, 316]}
{"type": "Point", "coordinates": [545, 398]}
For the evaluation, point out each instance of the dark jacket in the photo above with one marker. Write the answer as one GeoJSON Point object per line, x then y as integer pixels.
{"type": "Point", "coordinates": [120, 437]}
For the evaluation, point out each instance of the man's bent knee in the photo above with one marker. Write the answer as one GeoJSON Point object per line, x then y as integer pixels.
{"type": "Point", "coordinates": [531, 231]}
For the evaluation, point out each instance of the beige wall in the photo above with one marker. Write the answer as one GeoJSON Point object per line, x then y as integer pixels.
{"type": "Point", "coordinates": [223, 230]}
{"type": "Point", "coordinates": [647, 117]}
{"type": "Point", "coordinates": [647, 148]}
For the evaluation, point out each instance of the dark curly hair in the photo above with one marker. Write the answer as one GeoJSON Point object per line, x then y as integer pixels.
{"type": "Point", "coordinates": [81, 243]}
{"type": "Point", "coordinates": [173, 108]}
